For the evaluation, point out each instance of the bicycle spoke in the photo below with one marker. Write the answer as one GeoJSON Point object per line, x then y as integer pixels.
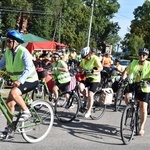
{"type": "Point", "coordinates": [127, 124]}
{"type": "Point", "coordinates": [98, 108]}
{"type": "Point", "coordinates": [66, 110]}
{"type": "Point", "coordinates": [37, 127]}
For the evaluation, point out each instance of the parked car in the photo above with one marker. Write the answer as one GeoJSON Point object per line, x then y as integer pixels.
{"type": "Point", "coordinates": [124, 63]}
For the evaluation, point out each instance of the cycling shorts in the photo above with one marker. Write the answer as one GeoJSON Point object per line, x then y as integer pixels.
{"type": "Point", "coordinates": [27, 86]}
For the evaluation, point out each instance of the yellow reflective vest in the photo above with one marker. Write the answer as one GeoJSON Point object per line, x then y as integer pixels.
{"type": "Point", "coordinates": [16, 67]}
{"type": "Point", "coordinates": [139, 72]}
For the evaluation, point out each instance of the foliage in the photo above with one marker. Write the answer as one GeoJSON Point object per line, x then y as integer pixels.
{"type": "Point", "coordinates": [65, 21]}
{"type": "Point", "coordinates": [139, 35]}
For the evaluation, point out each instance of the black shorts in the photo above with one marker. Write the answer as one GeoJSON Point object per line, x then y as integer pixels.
{"type": "Point", "coordinates": [63, 86]}
{"type": "Point", "coordinates": [92, 85]}
{"type": "Point", "coordinates": [27, 86]}
{"type": "Point", "coordinates": [142, 96]}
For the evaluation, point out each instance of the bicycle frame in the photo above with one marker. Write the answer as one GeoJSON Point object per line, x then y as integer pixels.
{"type": "Point", "coordinates": [7, 113]}
{"type": "Point", "coordinates": [5, 110]}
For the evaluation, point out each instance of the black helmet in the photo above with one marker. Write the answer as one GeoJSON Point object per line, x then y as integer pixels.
{"type": "Point", "coordinates": [143, 50]}
{"type": "Point", "coordinates": [93, 50]}
{"type": "Point", "coordinates": [56, 54]}
{"type": "Point", "coordinates": [15, 35]}
{"type": "Point", "coordinates": [117, 60]}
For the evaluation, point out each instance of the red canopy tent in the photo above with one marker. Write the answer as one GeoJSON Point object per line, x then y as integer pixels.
{"type": "Point", "coordinates": [46, 45]}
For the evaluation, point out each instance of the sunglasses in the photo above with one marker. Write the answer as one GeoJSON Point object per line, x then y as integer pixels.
{"type": "Point", "coordinates": [9, 40]}
{"type": "Point", "coordinates": [55, 56]}
{"type": "Point", "coordinates": [142, 54]}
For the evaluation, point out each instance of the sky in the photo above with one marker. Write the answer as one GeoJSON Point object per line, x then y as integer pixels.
{"type": "Point", "coordinates": [125, 14]}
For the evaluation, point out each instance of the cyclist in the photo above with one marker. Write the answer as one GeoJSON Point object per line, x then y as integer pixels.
{"type": "Point", "coordinates": [118, 66]}
{"type": "Point", "coordinates": [64, 55]}
{"type": "Point", "coordinates": [60, 74]}
{"type": "Point", "coordinates": [72, 57]}
{"type": "Point", "coordinates": [92, 66]}
{"type": "Point", "coordinates": [140, 69]}
{"type": "Point", "coordinates": [19, 65]}
{"type": "Point", "coordinates": [106, 62]}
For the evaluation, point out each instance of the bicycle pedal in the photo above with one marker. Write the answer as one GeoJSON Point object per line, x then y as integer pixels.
{"type": "Point", "coordinates": [9, 136]}
{"type": "Point", "coordinates": [82, 110]}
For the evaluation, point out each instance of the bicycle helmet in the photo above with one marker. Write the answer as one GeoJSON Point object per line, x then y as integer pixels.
{"type": "Point", "coordinates": [73, 49]}
{"type": "Point", "coordinates": [93, 50]}
{"type": "Point", "coordinates": [15, 35]}
{"type": "Point", "coordinates": [56, 55]}
{"type": "Point", "coordinates": [143, 50]}
{"type": "Point", "coordinates": [85, 51]}
{"type": "Point", "coordinates": [117, 60]}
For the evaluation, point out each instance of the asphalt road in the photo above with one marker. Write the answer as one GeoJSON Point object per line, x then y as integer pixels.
{"type": "Point", "coordinates": [85, 134]}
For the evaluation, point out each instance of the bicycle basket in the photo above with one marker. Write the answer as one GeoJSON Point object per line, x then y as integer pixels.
{"type": "Point", "coordinates": [106, 96]}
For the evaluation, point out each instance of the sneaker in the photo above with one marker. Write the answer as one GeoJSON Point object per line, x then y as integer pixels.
{"type": "Point", "coordinates": [24, 117]}
{"type": "Point", "coordinates": [4, 133]}
{"type": "Point", "coordinates": [87, 115]}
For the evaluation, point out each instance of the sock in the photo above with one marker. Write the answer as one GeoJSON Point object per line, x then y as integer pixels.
{"type": "Point", "coordinates": [26, 111]}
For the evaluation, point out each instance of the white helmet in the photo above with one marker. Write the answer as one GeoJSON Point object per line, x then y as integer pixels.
{"type": "Point", "coordinates": [85, 51]}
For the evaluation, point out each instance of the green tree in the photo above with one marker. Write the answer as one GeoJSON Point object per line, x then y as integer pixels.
{"type": "Point", "coordinates": [140, 26]}
{"type": "Point", "coordinates": [66, 21]}
{"type": "Point", "coordinates": [10, 11]}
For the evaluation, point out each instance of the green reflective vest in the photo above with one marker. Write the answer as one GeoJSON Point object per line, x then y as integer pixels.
{"type": "Point", "coordinates": [133, 71]}
{"type": "Point", "coordinates": [16, 67]}
{"type": "Point", "coordinates": [62, 77]}
{"type": "Point", "coordinates": [89, 65]}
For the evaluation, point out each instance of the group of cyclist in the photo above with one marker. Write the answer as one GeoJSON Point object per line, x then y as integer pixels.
{"type": "Point", "coordinates": [18, 63]}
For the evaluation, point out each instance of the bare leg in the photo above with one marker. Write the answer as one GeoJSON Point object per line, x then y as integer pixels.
{"type": "Point", "coordinates": [90, 101]}
{"type": "Point", "coordinates": [143, 116]}
{"type": "Point", "coordinates": [55, 91]}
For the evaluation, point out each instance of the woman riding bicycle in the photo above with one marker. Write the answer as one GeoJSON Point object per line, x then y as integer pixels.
{"type": "Point", "coordinates": [92, 66]}
{"type": "Point", "coordinates": [60, 75]}
{"type": "Point", "coordinates": [19, 65]}
{"type": "Point", "coordinates": [140, 70]}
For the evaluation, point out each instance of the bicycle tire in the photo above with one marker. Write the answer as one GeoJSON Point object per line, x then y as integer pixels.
{"type": "Point", "coordinates": [35, 130]}
{"type": "Point", "coordinates": [98, 108]}
{"type": "Point", "coordinates": [67, 110]}
{"type": "Point", "coordinates": [127, 124]}
{"type": "Point", "coordinates": [137, 122]}
{"type": "Point", "coordinates": [118, 98]}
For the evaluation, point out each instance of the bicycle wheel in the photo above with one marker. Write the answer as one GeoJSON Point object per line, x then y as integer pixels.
{"type": "Point", "coordinates": [66, 110]}
{"type": "Point", "coordinates": [127, 124]}
{"type": "Point", "coordinates": [98, 108]}
{"type": "Point", "coordinates": [38, 92]}
{"type": "Point", "coordinates": [118, 98]}
{"type": "Point", "coordinates": [38, 126]}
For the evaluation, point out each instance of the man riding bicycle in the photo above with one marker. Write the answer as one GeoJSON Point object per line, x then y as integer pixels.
{"type": "Point", "coordinates": [19, 65]}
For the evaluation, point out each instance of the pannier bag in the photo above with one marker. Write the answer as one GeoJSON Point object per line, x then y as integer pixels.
{"type": "Point", "coordinates": [106, 96]}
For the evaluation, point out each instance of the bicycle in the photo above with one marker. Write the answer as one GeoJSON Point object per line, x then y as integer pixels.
{"type": "Point", "coordinates": [130, 120]}
{"type": "Point", "coordinates": [42, 91]}
{"type": "Point", "coordinates": [34, 129]}
{"type": "Point", "coordinates": [71, 102]}
{"type": "Point", "coordinates": [119, 95]}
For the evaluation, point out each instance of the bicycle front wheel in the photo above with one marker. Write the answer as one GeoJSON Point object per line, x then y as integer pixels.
{"type": "Point", "coordinates": [127, 124]}
{"type": "Point", "coordinates": [98, 108]}
{"type": "Point", "coordinates": [66, 107]}
{"type": "Point", "coordinates": [38, 126]}
{"type": "Point", "coordinates": [118, 98]}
